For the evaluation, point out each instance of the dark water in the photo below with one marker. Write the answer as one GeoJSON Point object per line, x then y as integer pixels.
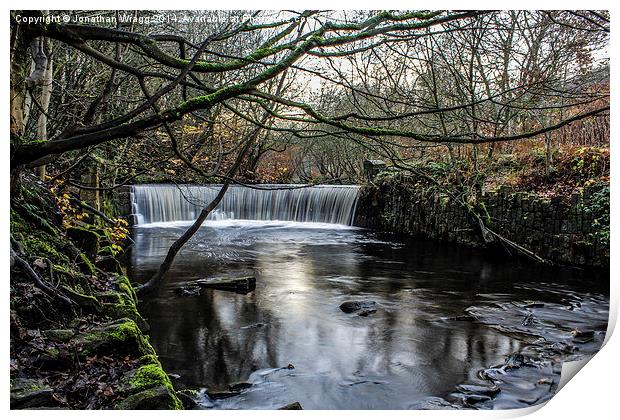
{"type": "Point", "coordinates": [407, 352]}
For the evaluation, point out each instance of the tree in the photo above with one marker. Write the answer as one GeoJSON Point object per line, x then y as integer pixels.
{"type": "Point", "coordinates": [398, 82]}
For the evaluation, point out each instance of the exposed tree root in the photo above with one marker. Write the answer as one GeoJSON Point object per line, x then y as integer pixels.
{"type": "Point", "coordinates": [23, 265]}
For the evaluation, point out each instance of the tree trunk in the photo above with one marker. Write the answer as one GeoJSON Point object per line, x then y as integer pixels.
{"type": "Point", "coordinates": [44, 101]}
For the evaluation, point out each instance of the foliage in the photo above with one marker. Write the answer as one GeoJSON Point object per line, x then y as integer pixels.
{"type": "Point", "coordinates": [598, 206]}
{"type": "Point", "coordinates": [75, 216]}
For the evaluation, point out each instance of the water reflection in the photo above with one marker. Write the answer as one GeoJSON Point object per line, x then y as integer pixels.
{"type": "Point", "coordinates": [408, 350]}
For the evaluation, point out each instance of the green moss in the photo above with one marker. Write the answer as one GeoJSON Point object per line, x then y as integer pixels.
{"type": "Point", "coordinates": [41, 245]}
{"type": "Point", "coordinates": [123, 303]}
{"type": "Point", "coordinates": [35, 141]}
{"type": "Point", "coordinates": [485, 213]}
{"type": "Point", "coordinates": [150, 377]}
{"type": "Point", "coordinates": [39, 242]}
{"type": "Point", "coordinates": [190, 392]}
{"type": "Point", "coordinates": [123, 337]}
{"type": "Point", "coordinates": [148, 359]}
{"type": "Point", "coordinates": [124, 285]}
{"type": "Point", "coordinates": [66, 270]}
{"type": "Point", "coordinates": [88, 264]}
{"type": "Point", "coordinates": [151, 399]}
{"type": "Point", "coordinates": [129, 331]}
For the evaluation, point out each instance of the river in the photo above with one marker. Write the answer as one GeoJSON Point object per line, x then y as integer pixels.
{"type": "Point", "coordinates": [292, 342]}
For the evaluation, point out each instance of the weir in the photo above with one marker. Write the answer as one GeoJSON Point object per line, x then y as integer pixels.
{"type": "Point", "coordinates": [152, 203]}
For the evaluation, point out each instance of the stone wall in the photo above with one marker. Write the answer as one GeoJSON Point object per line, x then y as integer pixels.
{"type": "Point", "coordinates": [122, 199]}
{"type": "Point", "coordinates": [565, 230]}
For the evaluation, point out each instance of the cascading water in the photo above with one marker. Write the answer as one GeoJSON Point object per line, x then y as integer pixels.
{"type": "Point", "coordinates": [322, 203]}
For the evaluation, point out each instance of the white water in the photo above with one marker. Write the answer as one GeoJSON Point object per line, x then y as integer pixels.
{"type": "Point", "coordinates": [160, 203]}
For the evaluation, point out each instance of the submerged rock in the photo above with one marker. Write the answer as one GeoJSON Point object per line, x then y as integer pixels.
{"type": "Point", "coordinates": [220, 395]}
{"type": "Point", "coordinates": [366, 312]}
{"type": "Point", "coordinates": [515, 361]}
{"type": "Point", "coordinates": [358, 305]}
{"type": "Point", "coordinates": [489, 390]}
{"type": "Point", "coordinates": [188, 290]}
{"type": "Point", "coordinates": [239, 285]}
{"type": "Point", "coordinates": [582, 337]}
{"type": "Point", "coordinates": [434, 403]}
{"type": "Point", "coordinates": [238, 386]}
{"type": "Point", "coordinates": [472, 399]}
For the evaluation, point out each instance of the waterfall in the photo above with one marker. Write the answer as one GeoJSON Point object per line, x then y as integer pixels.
{"type": "Point", "coordinates": [321, 203]}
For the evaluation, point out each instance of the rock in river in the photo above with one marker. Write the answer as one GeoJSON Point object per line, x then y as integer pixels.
{"type": "Point", "coordinates": [292, 406]}
{"type": "Point", "coordinates": [220, 395]}
{"type": "Point", "coordinates": [488, 390]}
{"type": "Point", "coordinates": [366, 306]}
{"type": "Point", "coordinates": [188, 290]}
{"type": "Point", "coordinates": [238, 386]}
{"type": "Point", "coordinates": [240, 285]}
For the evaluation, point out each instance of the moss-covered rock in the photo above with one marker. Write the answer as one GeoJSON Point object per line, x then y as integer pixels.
{"type": "Point", "coordinates": [159, 398]}
{"type": "Point", "coordinates": [86, 264]}
{"type": "Point", "coordinates": [108, 263]}
{"type": "Point", "coordinates": [85, 301]}
{"type": "Point", "coordinates": [148, 387]}
{"type": "Point", "coordinates": [86, 239]}
{"type": "Point", "coordinates": [70, 259]}
{"type": "Point", "coordinates": [292, 406]}
{"type": "Point", "coordinates": [188, 398]}
{"type": "Point", "coordinates": [27, 393]}
{"type": "Point", "coordinates": [121, 336]}
{"type": "Point", "coordinates": [61, 336]}
{"type": "Point", "coordinates": [122, 302]}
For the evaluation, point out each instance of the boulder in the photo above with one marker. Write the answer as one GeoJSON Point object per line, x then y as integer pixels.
{"type": "Point", "coordinates": [29, 393]}
{"type": "Point", "coordinates": [292, 406]}
{"type": "Point", "coordinates": [187, 399]}
{"type": "Point", "coordinates": [358, 305]}
{"type": "Point", "coordinates": [159, 398]}
{"type": "Point", "coordinates": [121, 336]}
{"type": "Point", "coordinates": [148, 387]}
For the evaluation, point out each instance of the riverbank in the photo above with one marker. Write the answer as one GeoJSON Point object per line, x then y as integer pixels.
{"type": "Point", "coordinates": [563, 229]}
{"type": "Point", "coordinates": [77, 338]}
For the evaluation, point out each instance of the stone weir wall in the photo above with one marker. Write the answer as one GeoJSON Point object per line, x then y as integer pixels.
{"type": "Point", "coordinates": [122, 198]}
{"type": "Point", "coordinates": [566, 230]}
